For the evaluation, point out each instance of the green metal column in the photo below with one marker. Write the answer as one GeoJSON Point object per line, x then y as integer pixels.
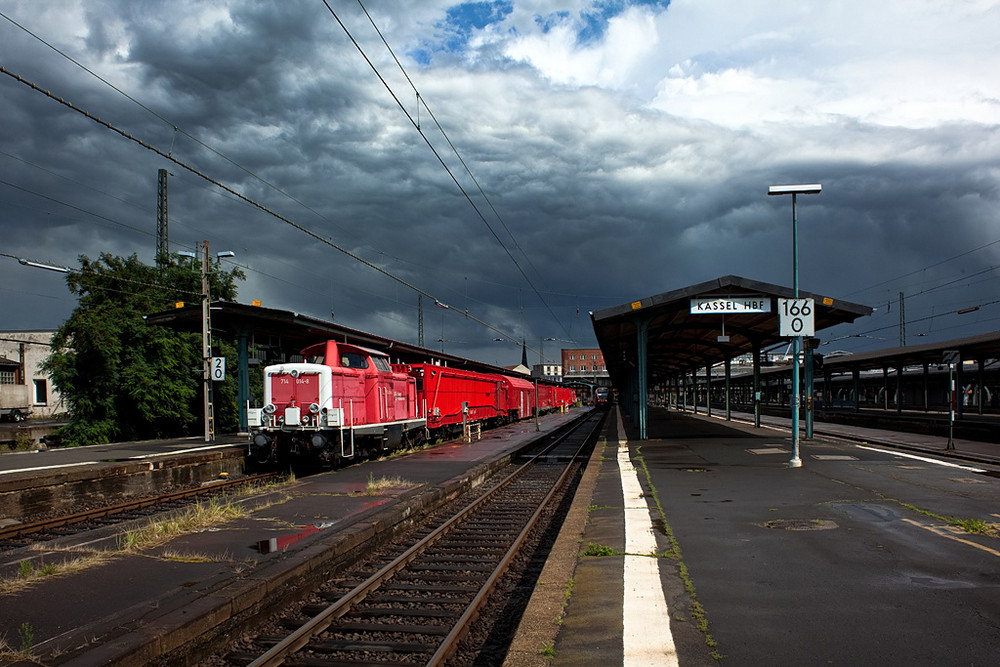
{"type": "Point", "coordinates": [708, 389]}
{"type": "Point", "coordinates": [756, 385]}
{"type": "Point", "coordinates": [856, 377]}
{"type": "Point", "coordinates": [980, 380]}
{"type": "Point", "coordinates": [729, 412]}
{"type": "Point", "coordinates": [243, 376]}
{"type": "Point", "coordinates": [642, 330]}
{"type": "Point", "coordinates": [808, 389]}
{"type": "Point", "coordinates": [927, 392]}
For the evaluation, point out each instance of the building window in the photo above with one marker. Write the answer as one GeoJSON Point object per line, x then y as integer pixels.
{"type": "Point", "coordinates": [572, 369]}
{"type": "Point", "coordinates": [6, 377]}
{"type": "Point", "coordinates": [41, 392]}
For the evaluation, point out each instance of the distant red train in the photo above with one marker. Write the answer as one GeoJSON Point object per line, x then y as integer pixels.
{"type": "Point", "coordinates": [343, 401]}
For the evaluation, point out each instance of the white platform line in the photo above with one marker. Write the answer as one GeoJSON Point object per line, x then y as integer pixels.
{"type": "Point", "coordinates": [647, 637]}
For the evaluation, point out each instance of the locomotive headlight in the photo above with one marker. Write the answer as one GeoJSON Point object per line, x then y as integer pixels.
{"type": "Point", "coordinates": [269, 409]}
{"type": "Point", "coordinates": [294, 373]}
{"type": "Point", "coordinates": [314, 408]}
{"type": "Point", "coordinates": [305, 419]}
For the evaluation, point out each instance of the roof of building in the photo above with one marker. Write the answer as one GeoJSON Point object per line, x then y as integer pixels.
{"type": "Point", "coordinates": [679, 342]}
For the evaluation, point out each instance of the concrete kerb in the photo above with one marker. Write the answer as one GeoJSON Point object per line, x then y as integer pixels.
{"type": "Point", "coordinates": [25, 494]}
{"type": "Point", "coordinates": [197, 618]}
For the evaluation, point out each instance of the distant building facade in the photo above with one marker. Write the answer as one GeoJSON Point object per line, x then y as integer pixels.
{"type": "Point", "coordinates": [23, 384]}
{"type": "Point", "coordinates": [584, 365]}
{"type": "Point", "coordinates": [550, 372]}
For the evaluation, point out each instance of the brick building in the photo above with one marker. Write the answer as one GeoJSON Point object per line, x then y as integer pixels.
{"type": "Point", "coordinates": [586, 365]}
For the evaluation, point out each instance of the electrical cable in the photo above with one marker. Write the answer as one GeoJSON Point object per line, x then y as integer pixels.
{"type": "Point", "coordinates": [440, 159]}
{"type": "Point", "coordinates": [244, 198]}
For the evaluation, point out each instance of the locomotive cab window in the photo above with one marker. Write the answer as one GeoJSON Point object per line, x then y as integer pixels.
{"type": "Point", "coordinates": [316, 359]}
{"type": "Point", "coordinates": [353, 360]}
{"type": "Point", "coordinates": [381, 364]}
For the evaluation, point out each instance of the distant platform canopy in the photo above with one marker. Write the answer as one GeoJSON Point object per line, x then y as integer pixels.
{"type": "Point", "coordinates": [657, 339]}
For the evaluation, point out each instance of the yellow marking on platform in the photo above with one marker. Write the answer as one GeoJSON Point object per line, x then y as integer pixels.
{"type": "Point", "coordinates": [944, 533]}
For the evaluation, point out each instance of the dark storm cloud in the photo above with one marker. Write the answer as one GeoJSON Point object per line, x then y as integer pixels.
{"type": "Point", "coordinates": [625, 165]}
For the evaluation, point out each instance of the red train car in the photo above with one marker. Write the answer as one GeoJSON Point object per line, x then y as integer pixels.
{"type": "Point", "coordinates": [341, 400]}
{"type": "Point", "coordinates": [451, 397]}
{"type": "Point", "coordinates": [344, 401]}
{"type": "Point", "coordinates": [555, 397]}
{"type": "Point", "coordinates": [517, 397]}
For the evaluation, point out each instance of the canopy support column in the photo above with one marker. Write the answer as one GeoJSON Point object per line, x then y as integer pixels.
{"type": "Point", "coordinates": [642, 330]}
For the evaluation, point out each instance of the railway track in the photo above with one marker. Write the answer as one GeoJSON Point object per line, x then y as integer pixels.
{"type": "Point", "coordinates": [15, 536]}
{"type": "Point", "coordinates": [417, 607]}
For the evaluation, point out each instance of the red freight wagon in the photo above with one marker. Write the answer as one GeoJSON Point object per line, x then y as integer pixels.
{"type": "Point", "coordinates": [517, 397]}
{"type": "Point", "coordinates": [555, 397]}
{"type": "Point", "coordinates": [452, 396]}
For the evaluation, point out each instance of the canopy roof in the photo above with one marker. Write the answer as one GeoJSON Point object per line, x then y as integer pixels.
{"type": "Point", "coordinates": [679, 341]}
{"type": "Point", "coordinates": [283, 333]}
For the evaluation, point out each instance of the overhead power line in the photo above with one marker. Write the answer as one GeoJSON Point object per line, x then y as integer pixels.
{"type": "Point", "coordinates": [244, 198]}
{"type": "Point", "coordinates": [434, 150]}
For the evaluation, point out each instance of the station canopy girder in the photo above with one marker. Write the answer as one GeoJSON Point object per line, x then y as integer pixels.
{"type": "Point", "coordinates": [679, 342]}
{"type": "Point", "coordinates": [287, 332]}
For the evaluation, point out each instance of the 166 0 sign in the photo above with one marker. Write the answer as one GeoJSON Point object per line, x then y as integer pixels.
{"type": "Point", "coordinates": [795, 317]}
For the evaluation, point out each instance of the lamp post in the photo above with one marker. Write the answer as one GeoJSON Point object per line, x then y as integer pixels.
{"type": "Point", "coordinates": [794, 190]}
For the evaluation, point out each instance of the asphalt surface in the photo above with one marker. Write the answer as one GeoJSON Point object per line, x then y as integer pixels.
{"type": "Point", "coordinates": [830, 563]}
{"type": "Point", "coordinates": [136, 607]}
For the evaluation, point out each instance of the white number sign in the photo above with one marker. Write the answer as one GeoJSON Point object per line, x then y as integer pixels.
{"type": "Point", "coordinates": [218, 369]}
{"type": "Point", "coordinates": [795, 317]}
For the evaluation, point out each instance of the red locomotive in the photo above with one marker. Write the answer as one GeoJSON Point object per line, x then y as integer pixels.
{"type": "Point", "coordinates": [343, 401]}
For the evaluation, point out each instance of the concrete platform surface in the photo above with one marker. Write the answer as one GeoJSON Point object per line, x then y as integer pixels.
{"type": "Point", "coordinates": [848, 560]}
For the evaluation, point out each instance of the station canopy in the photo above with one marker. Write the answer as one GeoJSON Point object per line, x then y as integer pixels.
{"type": "Point", "coordinates": [980, 348]}
{"type": "Point", "coordinates": [701, 325]}
{"type": "Point", "coordinates": [281, 334]}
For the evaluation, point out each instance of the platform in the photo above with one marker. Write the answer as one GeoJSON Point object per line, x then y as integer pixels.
{"type": "Point", "coordinates": [759, 563]}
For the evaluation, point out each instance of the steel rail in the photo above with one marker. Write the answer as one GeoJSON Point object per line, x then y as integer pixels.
{"type": "Point", "coordinates": [458, 632]}
{"type": "Point", "coordinates": [277, 654]}
{"type": "Point", "coordinates": [21, 530]}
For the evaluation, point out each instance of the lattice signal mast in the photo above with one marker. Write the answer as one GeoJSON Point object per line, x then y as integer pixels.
{"type": "Point", "coordinates": [162, 241]}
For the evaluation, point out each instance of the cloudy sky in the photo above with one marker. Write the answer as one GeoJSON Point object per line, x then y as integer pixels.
{"type": "Point", "coordinates": [593, 152]}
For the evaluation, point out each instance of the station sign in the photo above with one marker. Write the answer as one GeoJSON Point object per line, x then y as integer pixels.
{"type": "Point", "coordinates": [796, 317]}
{"type": "Point", "coordinates": [714, 305]}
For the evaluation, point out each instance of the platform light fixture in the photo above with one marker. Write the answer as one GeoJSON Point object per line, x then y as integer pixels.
{"type": "Point", "coordinates": [795, 190]}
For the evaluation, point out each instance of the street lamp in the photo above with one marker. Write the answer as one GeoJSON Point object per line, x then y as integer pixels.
{"type": "Point", "coordinates": [794, 190]}
{"type": "Point", "coordinates": [38, 265]}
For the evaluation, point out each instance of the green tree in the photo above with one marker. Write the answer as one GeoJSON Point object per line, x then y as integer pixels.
{"type": "Point", "coordinates": [125, 380]}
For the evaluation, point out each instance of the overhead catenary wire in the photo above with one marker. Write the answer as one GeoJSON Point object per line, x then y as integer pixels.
{"type": "Point", "coordinates": [416, 124]}
{"type": "Point", "coordinates": [244, 198]}
{"type": "Point", "coordinates": [179, 130]}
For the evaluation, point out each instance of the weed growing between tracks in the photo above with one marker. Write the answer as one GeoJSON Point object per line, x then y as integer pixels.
{"type": "Point", "coordinates": [157, 532]}
{"type": "Point", "coordinates": [197, 517]}
{"type": "Point", "coordinates": [11, 655]}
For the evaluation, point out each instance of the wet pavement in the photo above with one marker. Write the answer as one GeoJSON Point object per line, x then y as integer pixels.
{"type": "Point", "coordinates": [846, 560]}
{"type": "Point", "coordinates": [135, 607]}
